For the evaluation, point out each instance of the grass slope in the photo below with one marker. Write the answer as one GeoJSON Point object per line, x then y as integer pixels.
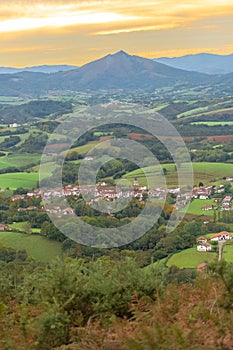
{"type": "Point", "coordinates": [196, 205]}
{"type": "Point", "coordinates": [23, 226]}
{"type": "Point", "coordinates": [191, 258]}
{"type": "Point", "coordinates": [18, 160]}
{"type": "Point", "coordinates": [37, 247]}
{"type": "Point", "coordinates": [204, 172]}
{"type": "Point", "coordinates": [212, 123]}
{"type": "Point", "coordinates": [21, 179]}
{"type": "Point", "coordinates": [228, 253]}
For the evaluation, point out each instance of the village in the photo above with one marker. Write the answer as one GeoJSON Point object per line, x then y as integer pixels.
{"type": "Point", "coordinates": [109, 193]}
{"type": "Point", "coordinates": [102, 191]}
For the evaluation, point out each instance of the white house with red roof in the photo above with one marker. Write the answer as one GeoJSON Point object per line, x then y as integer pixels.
{"type": "Point", "coordinates": [201, 240]}
{"type": "Point", "coordinates": [204, 247]}
{"type": "Point", "coordinates": [221, 236]}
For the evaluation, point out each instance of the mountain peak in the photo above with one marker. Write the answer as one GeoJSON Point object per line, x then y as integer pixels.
{"type": "Point", "coordinates": [120, 53]}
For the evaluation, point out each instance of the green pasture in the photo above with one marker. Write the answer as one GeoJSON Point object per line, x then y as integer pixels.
{"type": "Point", "coordinates": [89, 146]}
{"type": "Point", "coordinates": [201, 112]}
{"type": "Point", "coordinates": [23, 226]}
{"type": "Point", "coordinates": [21, 179]}
{"type": "Point", "coordinates": [18, 160]}
{"type": "Point", "coordinates": [23, 137]}
{"type": "Point", "coordinates": [83, 149]}
{"type": "Point", "coordinates": [205, 172]}
{"type": "Point", "coordinates": [196, 205]}
{"type": "Point", "coordinates": [191, 258]}
{"type": "Point", "coordinates": [193, 112]}
{"type": "Point", "coordinates": [158, 108]}
{"type": "Point", "coordinates": [47, 170]}
{"type": "Point", "coordinates": [37, 247]}
{"type": "Point", "coordinates": [212, 123]}
{"type": "Point", "coordinates": [14, 100]}
{"type": "Point", "coordinates": [228, 252]}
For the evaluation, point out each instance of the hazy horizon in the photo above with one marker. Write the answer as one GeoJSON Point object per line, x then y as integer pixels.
{"type": "Point", "coordinates": [112, 53]}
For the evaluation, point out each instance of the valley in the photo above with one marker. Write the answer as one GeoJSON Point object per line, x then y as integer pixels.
{"type": "Point", "coordinates": [52, 279]}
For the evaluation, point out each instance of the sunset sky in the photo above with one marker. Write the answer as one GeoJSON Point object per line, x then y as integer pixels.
{"type": "Point", "coordinates": [75, 32]}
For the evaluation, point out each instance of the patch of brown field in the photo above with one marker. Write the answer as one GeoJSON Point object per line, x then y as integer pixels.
{"type": "Point", "coordinates": [139, 137]}
{"type": "Point", "coordinates": [105, 138]}
{"type": "Point", "coordinates": [225, 112]}
{"type": "Point", "coordinates": [191, 217]}
{"type": "Point", "coordinates": [221, 138]}
{"type": "Point", "coordinates": [190, 138]}
{"type": "Point", "coordinates": [216, 138]}
{"type": "Point", "coordinates": [58, 146]}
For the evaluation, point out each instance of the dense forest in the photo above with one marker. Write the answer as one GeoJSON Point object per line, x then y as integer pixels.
{"type": "Point", "coordinates": [34, 109]}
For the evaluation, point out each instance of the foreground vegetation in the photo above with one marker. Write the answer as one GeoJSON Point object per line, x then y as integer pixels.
{"type": "Point", "coordinates": [113, 304]}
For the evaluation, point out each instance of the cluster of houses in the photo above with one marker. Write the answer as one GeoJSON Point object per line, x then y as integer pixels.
{"type": "Point", "coordinates": [103, 192]}
{"type": "Point", "coordinates": [226, 203]}
{"type": "Point", "coordinates": [202, 192]}
{"type": "Point", "coordinates": [221, 203]}
{"type": "Point", "coordinates": [204, 246]}
{"type": "Point", "coordinates": [108, 193]}
{"type": "Point", "coordinates": [59, 211]}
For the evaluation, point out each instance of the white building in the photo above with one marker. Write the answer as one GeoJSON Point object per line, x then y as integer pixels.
{"type": "Point", "coordinates": [204, 247]}
{"type": "Point", "coordinates": [222, 236]}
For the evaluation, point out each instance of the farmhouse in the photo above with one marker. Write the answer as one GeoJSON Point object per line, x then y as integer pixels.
{"type": "Point", "coordinates": [201, 240]}
{"type": "Point", "coordinates": [204, 247]}
{"type": "Point", "coordinates": [222, 236]}
{"type": "Point", "coordinates": [202, 192]}
{"type": "Point", "coordinates": [207, 207]}
{"type": "Point", "coordinates": [227, 200]}
{"type": "Point", "coordinates": [229, 178]}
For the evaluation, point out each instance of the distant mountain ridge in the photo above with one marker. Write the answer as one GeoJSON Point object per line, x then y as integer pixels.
{"type": "Point", "coordinates": [48, 69]}
{"type": "Point", "coordinates": [124, 71]}
{"type": "Point", "coordinates": [114, 71]}
{"type": "Point", "coordinates": [203, 63]}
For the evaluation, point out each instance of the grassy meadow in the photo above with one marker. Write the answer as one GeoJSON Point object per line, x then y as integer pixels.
{"type": "Point", "coordinates": [23, 226]}
{"type": "Point", "coordinates": [212, 123]}
{"type": "Point", "coordinates": [37, 247]}
{"type": "Point", "coordinates": [228, 253]}
{"type": "Point", "coordinates": [196, 205]}
{"type": "Point", "coordinates": [18, 160]}
{"type": "Point", "coordinates": [191, 258]}
{"type": "Point", "coordinates": [203, 172]}
{"type": "Point", "coordinates": [20, 179]}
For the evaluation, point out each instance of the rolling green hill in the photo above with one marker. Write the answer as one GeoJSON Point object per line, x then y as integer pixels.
{"type": "Point", "coordinates": [37, 247]}
{"type": "Point", "coordinates": [20, 179]}
{"type": "Point", "coordinates": [204, 172]}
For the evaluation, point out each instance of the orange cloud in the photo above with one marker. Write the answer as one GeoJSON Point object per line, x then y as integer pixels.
{"type": "Point", "coordinates": [30, 49]}
{"type": "Point", "coordinates": [155, 15]}
{"type": "Point", "coordinates": [87, 29]}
